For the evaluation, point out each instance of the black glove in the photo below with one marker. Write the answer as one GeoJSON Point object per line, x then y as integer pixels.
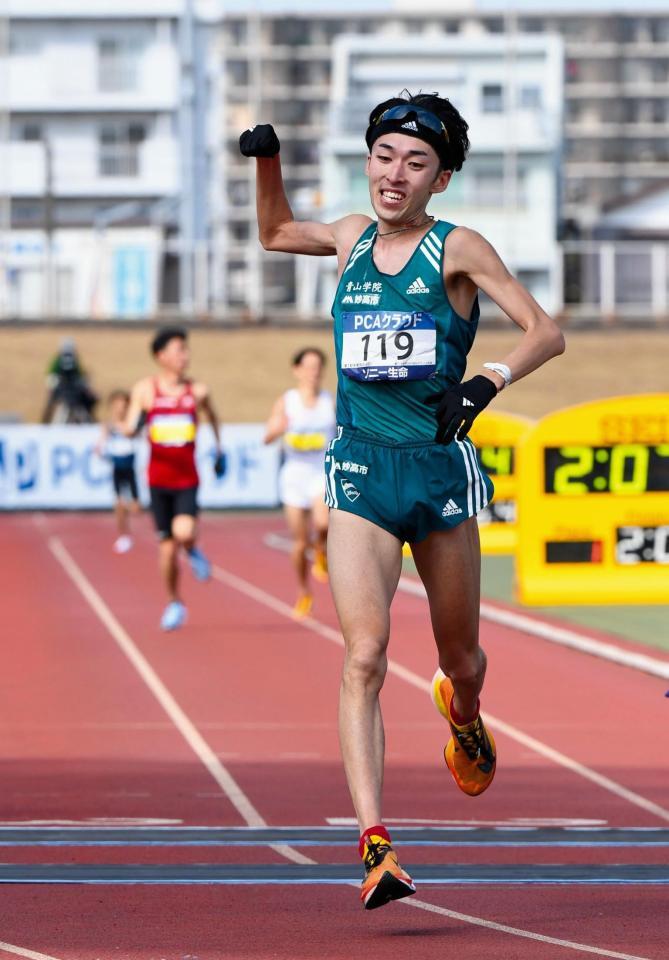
{"type": "Point", "coordinates": [220, 464]}
{"type": "Point", "coordinates": [458, 407]}
{"type": "Point", "coordinates": [260, 141]}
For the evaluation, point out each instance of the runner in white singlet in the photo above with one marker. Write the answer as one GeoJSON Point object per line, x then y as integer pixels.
{"type": "Point", "coordinates": [304, 417]}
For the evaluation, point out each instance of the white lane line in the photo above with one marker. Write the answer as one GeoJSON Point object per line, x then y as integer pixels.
{"type": "Point", "coordinates": [517, 932]}
{"type": "Point", "coordinates": [181, 721]}
{"type": "Point", "coordinates": [526, 623]}
{"type": "Point", "coordinates": [309, 623]}
{"type": "Point", "coordinates": [22, 952]}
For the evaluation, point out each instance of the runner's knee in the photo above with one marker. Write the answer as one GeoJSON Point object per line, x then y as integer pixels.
{"type": "Point", "coordinates": [183, 529]}
{"type": "Point", "coordinates": [365, 667]}
{"type": "Point", "coordinates": [464, 666]}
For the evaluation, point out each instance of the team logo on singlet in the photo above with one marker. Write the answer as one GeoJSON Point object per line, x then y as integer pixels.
{"type": "Point", "coordinates": [350, 490]}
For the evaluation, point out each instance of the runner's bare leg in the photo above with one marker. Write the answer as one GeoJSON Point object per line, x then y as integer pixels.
{"type": "Point", "coordinates": [297, 520]}
{"type": "Point", "coordinates": [169, 567]}
{"type": "Point", "coordinates": [365, 564]}
{"type": "Point", "coordinates": [449, 564]}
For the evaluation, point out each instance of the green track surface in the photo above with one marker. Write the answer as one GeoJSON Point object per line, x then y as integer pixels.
{"type": "Point", "coordinates": [648, 625]}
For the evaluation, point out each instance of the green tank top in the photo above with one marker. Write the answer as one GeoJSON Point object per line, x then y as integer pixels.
{"type": "Point", "coordinates": [398, 340]}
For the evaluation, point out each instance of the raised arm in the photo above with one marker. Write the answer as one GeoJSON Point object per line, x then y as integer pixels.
{"type": "Point", "coordinates": [278, 229]}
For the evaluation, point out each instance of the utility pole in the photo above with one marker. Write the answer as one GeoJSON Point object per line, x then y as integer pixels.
{"type": "Point", "coordinates": [5, 167]}
{"type": "Point", "coordinates": [511, 146]}
{"type": "Point", "coordinates": [49, 274]}
{"type": "Point", "coordinates": [186, 140]}
{"type": "Point", "coordinates": [256, 293]}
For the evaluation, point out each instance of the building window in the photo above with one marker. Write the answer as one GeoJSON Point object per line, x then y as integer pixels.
{"type": "Point", "coordinates": [119, 146]}
{"type": "Point", "coordinates": [488, 186]}
{"type": "Point", "coordinates": [529, 98]}
{"type": "Point", "coordinates": [118, 64]}
{"type": "Point", "coordinates": [238, 72]}
{"type": "Point", "coordinates": [30, 132]}
{"type": "Point", "coordinates": [492, 98]}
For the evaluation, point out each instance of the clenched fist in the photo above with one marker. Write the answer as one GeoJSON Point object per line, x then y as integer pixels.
{"type": "Point", "coordinates": [260, 141]}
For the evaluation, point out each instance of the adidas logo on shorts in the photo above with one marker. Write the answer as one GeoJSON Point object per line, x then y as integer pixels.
{"type": "Point", "coordinates": [450, 509]}
{"type": "Point", "coordinates": [418, 286]}
{"type": "Point", "coordinates": [410, 125]}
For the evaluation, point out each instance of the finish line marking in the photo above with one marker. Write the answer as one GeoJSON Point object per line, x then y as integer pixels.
{"type": "Point", "coordinates": [442, 874]}
{"type": "Point", "coordinates": [525, 623]}
{"type": "Point", "coordinates": [310, 836]}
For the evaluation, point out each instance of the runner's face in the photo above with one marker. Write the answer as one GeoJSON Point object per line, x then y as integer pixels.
{"type": "Point", "coordinates": [175, 356]}
{"type": "Point", "coordinates": [309, 372]}
{"type": "Point", "coordinates": [118, 409]}
{"type": "Point", "coordinates": [403, 174]}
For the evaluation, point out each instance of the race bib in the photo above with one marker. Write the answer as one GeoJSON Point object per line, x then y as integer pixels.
{"type": "Point", "coordinates": [388, 345]}
{"type": "Point", "coordinates": [305, 442]}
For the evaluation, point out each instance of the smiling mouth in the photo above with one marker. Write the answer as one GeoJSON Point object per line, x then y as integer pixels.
{"type": "Point", "coordinates": [392, 196]}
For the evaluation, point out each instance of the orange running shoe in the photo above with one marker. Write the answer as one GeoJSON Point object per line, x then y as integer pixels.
{"type": "Point", "coordinates": [470, 753]}
{"type": "Point", "coordinates": [384, 878]}
{"type": "Point", "coordinates": [319, 569]}
{"type": "Point", "coordinates": [303, 606]}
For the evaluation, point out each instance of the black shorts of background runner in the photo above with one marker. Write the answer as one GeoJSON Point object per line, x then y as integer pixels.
{"type": "Point", "coordinates": [168, 503]}
{"type": "Point", "coordinates": [124, 479]}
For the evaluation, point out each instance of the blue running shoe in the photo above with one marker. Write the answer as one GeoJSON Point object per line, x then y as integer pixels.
{"type": "Point", "coordinates": [199, 564]}
{"type": "Point", "coordinates": [174, 616]}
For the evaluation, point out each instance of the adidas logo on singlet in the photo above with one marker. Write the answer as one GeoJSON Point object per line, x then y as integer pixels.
{"type": "Point", "coordinates": [410, 125]}
{"type": "Point", "coordinates": [418, 286]}
{"type": "Point", "coordinates": [450, 509]}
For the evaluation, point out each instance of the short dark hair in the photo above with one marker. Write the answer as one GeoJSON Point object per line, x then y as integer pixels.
{"type": "Point", "coordinates": [118, 395]}
{"type": "Point", "coordinates": [163, 337]}
{"type": "Point", "coordinates": [456, 125]}
{"type": "Point", "coordinates": [301, 354]}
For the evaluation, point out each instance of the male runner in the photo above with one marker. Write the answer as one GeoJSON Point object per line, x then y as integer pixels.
{"type": "Point", "coordinates": [405, 315]}
{"type": "Point", "coordinates": [169, 404]}
{"type": "Point", "coordinates": [305, 418]}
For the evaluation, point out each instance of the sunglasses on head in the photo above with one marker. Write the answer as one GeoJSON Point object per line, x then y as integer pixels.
{"type": "Point", "coordinates": [424, 117]}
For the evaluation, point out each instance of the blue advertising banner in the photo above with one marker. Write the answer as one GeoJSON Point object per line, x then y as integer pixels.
{"type": "Point", "coordinates": [58, 467]}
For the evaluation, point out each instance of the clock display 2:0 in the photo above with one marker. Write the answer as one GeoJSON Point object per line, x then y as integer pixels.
{"type": "Point", "coordinates": [629, 468]}
{"type": "Point", "coordinates": [642, 544]}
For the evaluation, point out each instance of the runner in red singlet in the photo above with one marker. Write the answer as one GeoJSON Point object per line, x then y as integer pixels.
{"type": "Point", "coordinates": [169, 405]}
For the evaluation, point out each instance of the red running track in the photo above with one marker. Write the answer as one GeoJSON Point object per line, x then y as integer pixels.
{"type": "Point", "coordinates": [83, 738]}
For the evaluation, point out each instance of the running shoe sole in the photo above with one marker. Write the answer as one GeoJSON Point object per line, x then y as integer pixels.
{"type": "Point", "coordinates": [388, 888]}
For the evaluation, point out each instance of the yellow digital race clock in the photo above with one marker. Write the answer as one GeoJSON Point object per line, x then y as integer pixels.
{"type": "Point", "coordinates": [497, 437]}
{"type": "Point", "coordinates": [593, 504]}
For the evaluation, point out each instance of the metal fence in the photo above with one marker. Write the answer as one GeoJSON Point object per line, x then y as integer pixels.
{"type": "Point", "coordinates": [593, 282]}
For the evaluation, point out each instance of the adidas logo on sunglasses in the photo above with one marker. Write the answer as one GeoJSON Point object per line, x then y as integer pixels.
{"type": "Point", "coordinates": [410, 125]}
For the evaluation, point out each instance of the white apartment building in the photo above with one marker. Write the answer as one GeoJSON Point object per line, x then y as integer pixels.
{"type": "Point", "coordinates": [277, 65]}
{"type": "Point", "coordinates": [511, 96]}
{"type": "Point", "coordinates": [92, 163]}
